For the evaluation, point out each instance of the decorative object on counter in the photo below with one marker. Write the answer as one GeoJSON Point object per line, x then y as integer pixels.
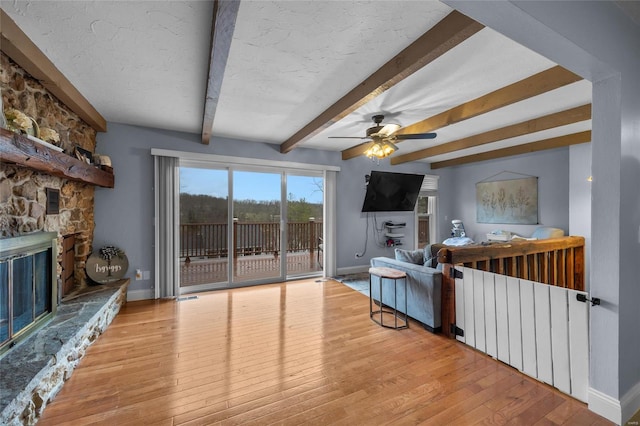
{"type": "Point", "coordinates": [101, 160]}
{"type": "Point", "coordinates": [47, 144]}
{"type": "Point", "coordinates": [18, 121]}
{"type": "Point", "coordinates": [84, 155]}
{"type": "Point", "coordinates": [109, 264]}
{"type": "Point", "coordinates": [49, 135]}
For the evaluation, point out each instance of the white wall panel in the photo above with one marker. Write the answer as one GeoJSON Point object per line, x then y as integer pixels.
{"type": "Point", "coordinates": [543, 333]}
{"type": "Point", "coordinates": [539, 329]}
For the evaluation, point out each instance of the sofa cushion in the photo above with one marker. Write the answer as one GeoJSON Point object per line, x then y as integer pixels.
{"type": "Point", "coordinates": [410, 256]}
{"type": "Point", "coordinates": [428, 258]}
{"type": "Point", "coordinates": [544, 232]}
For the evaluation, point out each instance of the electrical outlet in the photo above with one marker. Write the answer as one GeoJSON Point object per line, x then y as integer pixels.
{"type": "Point", "coordinates": [146, 275]}
{"type": "Point", "coordinates": [138, 274]}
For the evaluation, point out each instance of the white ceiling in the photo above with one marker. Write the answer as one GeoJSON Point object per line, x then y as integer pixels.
{"type": "Point", "coordinates": [146, 63]}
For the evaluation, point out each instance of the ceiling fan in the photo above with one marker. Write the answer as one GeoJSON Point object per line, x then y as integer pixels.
{"type": "Point", "coordinates": [383, 138]}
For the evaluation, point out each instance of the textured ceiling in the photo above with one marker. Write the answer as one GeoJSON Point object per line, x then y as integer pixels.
{"type": "Point", "coordinates": [291, 60]}
{"type": "Point", "coordinates": [137, 62]}
{"type": "Point", "coordinates": [146, 63]}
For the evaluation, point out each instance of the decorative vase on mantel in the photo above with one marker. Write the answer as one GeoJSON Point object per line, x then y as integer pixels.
{"type": "Point", "coordinates": [17, 121]}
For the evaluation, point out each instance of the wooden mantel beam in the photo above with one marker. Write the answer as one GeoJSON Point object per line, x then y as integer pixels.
{"type": "Point", "coordinates": [18, 149]}
{"type": "Point", "coordinates": [444, 36]}
{"type": "Point", "coordinates": [562, 118]}
{"type": "Point", "coordinates": [17, 46]}
{"type": "Point", "coordinates": [224, 22]}
{"type": "Point", "coordinates": [560, 141]}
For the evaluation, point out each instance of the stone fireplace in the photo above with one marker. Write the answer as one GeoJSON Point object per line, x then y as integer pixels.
{"type": "Point", "coordinates": [23, 192]}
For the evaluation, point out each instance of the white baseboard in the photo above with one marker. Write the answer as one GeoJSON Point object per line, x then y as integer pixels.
{"type": "Point", "coordinates": [604, 405]}
{"type": "Point", "coordinates": [630, 403]}
{"type": "Point", "coordinates": [610, 408]}
{"type": "Point", "coordinates": [353, 270]}
{"type": "Point", "coordinates": [142, 294]}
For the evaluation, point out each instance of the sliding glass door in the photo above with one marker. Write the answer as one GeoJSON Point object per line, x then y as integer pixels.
{"type": "Point", "coordinates": [244, 227]}
{"type": "Point", "coordinates": [257, 212]}
{"type": "Point", "coordinates": [304, 224]}
{"type": "Point", "coordinates": [204, 228]}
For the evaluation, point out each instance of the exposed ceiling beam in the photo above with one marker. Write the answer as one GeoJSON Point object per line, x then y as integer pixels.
{"type": "Point", "coordinates": [560, 141]}
{"type": "Point", "coordinates": [224, 22]}
{"type": "Point", "coordinates": [17, 46]}
{"type": "Point", "coordinates": [562, 118]}
{"type": "Point", "coordinates": [534, 85]}
{"type": "Point", "coordinates": [445, 35]}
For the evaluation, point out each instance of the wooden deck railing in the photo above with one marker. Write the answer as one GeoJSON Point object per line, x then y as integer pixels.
{"type": "Point", "coordinates": [211, 239]}
{"type": "Point", "coordinates": [557, 261]}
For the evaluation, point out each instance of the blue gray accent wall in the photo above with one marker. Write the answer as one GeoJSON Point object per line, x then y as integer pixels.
{"type": "Point", "coordinates": [124, 215]}
{"type": "Point", "coordinates": [550, 167]}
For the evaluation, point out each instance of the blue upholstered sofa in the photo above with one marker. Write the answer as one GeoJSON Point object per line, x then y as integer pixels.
{"type": "Point", "coordinates": [424, 285]}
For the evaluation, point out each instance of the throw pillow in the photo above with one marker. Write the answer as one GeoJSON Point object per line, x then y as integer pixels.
{"type": "Point", "coordinates": [428, 259]}
{"type": "Point", "coordinates": [410, 256]}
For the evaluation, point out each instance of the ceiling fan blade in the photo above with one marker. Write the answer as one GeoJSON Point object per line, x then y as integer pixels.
{"type": "Point", "coordinates": [389, 129]}
{"type": "Point", "coordinates": [362, 145]}
{"type": "Point", "coordinates": [416, 136]}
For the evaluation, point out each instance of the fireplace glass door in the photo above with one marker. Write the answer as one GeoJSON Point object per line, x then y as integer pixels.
{"type": "Point", "coordinates": [25, 292]}
{"type": "Point", "coordinates": [4, 301]}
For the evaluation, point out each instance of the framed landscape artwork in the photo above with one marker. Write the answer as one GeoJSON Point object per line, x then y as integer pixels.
{"type": "Point", "coordinates": [508, 201]}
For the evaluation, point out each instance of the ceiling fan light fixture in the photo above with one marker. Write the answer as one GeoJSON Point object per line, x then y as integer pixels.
{"type": "Point", "coordinates": [378, 149]}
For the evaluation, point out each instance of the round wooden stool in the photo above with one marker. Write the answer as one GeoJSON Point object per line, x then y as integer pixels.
{"type": "Point", "coordinates": [395, 275]}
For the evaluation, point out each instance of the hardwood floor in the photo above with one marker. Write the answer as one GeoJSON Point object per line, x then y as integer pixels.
{"type": "Point", "coordinates": [293, 353]}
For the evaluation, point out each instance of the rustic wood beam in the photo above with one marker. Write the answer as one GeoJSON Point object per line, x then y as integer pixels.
{"type": "Point", "coordinates": [557, 142]}
{"type": "Point", "coordinates": [18, 149]}
{"type": "Point", "coordinates": [562, 118]}
{"type": "Point", "coordinates": [534, 85]}
{"type": "Point", "coordinates": [222, 27]}
{"type": "Point", "coordinates": [17, 46]}
{"type": "Point", "coordinates": [444, 36]}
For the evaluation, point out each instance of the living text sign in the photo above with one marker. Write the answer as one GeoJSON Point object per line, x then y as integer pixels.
{"type": "Point", "coordinates": [104, 271]}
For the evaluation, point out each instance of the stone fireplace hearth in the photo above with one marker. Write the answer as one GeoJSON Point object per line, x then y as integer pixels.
{"type": "Point", "coordinates": [33, 372]}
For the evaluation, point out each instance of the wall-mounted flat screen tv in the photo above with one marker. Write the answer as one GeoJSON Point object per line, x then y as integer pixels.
{"type": "Point", "coordinates": [392, 192]}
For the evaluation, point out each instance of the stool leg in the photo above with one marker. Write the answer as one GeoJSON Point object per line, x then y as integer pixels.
{"type": "Point", "coordinates": [370, 298]}
{"type": "Point", "coordinates": [406, 320]}
{"type": "Point", "coordinates": [381, 319]}
{"type": "Point", "coordinates": [395, 303]}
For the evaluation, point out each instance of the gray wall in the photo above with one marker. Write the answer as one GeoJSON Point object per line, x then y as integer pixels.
{"type": "Point", "coordinates": [352, 223]}
{"type": "Point", "coordinates": [551, 168]}
{"type": "Point", "coordinates": [599, 42]}
{"type": "Point", "coordinates": [124, 215]}
{"type": "Point", "coordinates": [580, 199]}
